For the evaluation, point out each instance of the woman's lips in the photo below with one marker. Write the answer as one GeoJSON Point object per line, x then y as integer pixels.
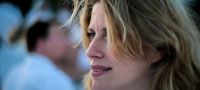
{"type": "Point", "coordinates": [98, 70]}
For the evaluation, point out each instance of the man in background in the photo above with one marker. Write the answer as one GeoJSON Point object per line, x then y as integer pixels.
{"type": "Point", "coordinates": [47, 45]}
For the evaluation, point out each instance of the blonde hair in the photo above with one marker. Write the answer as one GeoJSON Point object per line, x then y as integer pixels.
{"type": "Point", "coordinates": [162, 25]}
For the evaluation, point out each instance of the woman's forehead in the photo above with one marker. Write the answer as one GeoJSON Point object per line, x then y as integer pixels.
{"type": "Point", "coordinates": [97, 9]}
{"type": "Point", "coordinates": [97, 17]}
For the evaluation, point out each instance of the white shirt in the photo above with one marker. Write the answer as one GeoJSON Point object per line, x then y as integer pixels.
{"type": "Point", "coordinates": [37, 72]}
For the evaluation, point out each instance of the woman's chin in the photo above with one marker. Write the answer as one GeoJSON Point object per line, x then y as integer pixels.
{"type": "Point", "coordinates": [100, 86]}
{"type": "Point", "coordinates": [100, 83]}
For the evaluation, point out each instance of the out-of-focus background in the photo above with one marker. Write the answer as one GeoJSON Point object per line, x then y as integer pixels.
{"type": "Point", "coordinates": [16, 16]}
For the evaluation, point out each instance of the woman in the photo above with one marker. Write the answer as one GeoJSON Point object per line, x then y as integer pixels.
{"type": "Point", "coordinates": [139, 44]}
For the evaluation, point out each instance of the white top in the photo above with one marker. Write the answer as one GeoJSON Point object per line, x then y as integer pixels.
{"type": "Point", "coordinates": [37, 72]}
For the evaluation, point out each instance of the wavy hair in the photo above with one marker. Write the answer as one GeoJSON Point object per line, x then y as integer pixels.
{"type": "Point", "coordinates": [162, 25]}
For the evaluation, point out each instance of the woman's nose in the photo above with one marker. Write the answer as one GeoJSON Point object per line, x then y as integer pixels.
{"type": "Point", "coordinates": [95, 50]}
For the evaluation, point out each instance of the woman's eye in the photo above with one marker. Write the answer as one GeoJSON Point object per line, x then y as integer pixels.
{"type": "Point", "coordinates": [91, 35]}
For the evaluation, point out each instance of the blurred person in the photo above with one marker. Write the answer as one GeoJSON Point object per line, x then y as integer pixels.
{"type": "Point", "coordinates": [12, 50]}
{"type": "Point", "coordinates": [64, 11]}
{"type": "Point", "coordinates": [75, 36]}
{"type": "Point", "coordinates": [46, 45]}
{"type": "Point", "coordinates": [74, 62]}
{"type": "Point", "coordinates": [139, 44]}
{"type": "Point", "coordinates": [23, 5]}
{"type": "Point", "coordinates": [41, 10]}
{"type": "Point", "coordinates": [11, 20]}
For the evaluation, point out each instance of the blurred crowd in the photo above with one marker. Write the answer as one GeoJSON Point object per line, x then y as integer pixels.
{"type": "Point", "coordinates": [19, 16]}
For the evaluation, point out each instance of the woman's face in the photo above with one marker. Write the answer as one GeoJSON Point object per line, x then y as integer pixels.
{"type": "Point", "coordinates": [108, 72]}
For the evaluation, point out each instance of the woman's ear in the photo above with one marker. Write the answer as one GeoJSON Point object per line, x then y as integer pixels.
{"type": "Point", "coordinates": [155, 56]}
{"type": "Point", "coordinates": [158, 55]}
